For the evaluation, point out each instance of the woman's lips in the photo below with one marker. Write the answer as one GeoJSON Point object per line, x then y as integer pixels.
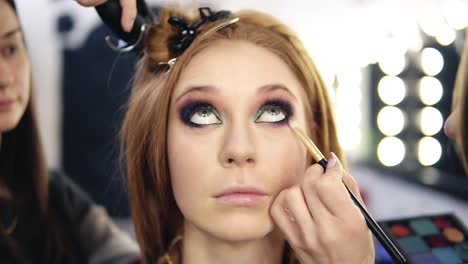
{"type": "Point", "coordinates": [241, 196]}
{"type": "Point", "coordinates": [6, 104]}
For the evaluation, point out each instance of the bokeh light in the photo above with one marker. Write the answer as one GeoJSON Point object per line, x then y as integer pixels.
{"type": "Point", "coordinates": [391, 90]}
{"type": "Point", "coordinates": [431, 121]}
{"type": "Point", "coordinates": [391, 151]}
{"type": "Point", "coordinates": [390, 120]}
{"type": "Point", "coordinates": [432, 61]}
{"type": "Point", "coordinates": [430, 90]}
{"type": "Point", "coordinates": [392, 63]}
{"type": "Point", "coordinates": [429, 151]}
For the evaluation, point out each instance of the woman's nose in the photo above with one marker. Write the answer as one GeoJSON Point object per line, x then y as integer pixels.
{"type": "Point", "coordinates": [6, 75]}
{"type": "Point", "coordinates": [238, 148]}
{"type": "Point", "coordinates": [451, 126]}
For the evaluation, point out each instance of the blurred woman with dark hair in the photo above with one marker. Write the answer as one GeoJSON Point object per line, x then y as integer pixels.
{"type": "Point", "coordinates": [44, 218]}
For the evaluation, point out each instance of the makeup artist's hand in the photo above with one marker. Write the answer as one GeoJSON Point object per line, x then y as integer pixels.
{"type": "Point", "coordinates": [129, 11]}
{"type": "Point", "coordinates": [320, 221]}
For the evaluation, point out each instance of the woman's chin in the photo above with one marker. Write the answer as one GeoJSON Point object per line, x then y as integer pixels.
{"type": "Point", "coordinates": [235, 229]}
{"type": "Point", "coordinates": [8, 124]}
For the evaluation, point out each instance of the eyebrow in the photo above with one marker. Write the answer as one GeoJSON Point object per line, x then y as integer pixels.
{"type": "Point", "coordinates": [275, 87]}
{"type": "Point", "coordinates": [207, 88]}
{"type": "Point", "coordinates": [10, 33]}
{"type": "Point", "coordinates": [263, 89]}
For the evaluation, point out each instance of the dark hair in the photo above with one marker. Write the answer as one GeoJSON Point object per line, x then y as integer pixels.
{"type": "Point", "coordinates": [24, 172]}
{"type": "Point", "coordinates": [12, 4]}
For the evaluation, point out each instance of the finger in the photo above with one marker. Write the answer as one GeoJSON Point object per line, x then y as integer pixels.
{"type": "Point", "coordinates": [284, 220]}
{"type": "Point", "coordinates": [91, 2]}
{"type": "Point", "coordinates": [351, 183]}
{"type": "Point", "coordinates": [309, 190]}
{"type": "Point", "coordinates": [129, 12]}
{"type": "Point", "coordinates": [353, 186]}
{"type": "Point", "coordinates": [332, 192]}
{"type": "Point", "coordinates": [297, 207]}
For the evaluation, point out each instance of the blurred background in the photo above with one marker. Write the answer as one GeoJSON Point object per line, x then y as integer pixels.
{"type": "Point", "coordinates": [389, 66]}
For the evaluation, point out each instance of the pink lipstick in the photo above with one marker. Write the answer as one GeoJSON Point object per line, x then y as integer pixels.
{"type": "Point", "coordinates": [241, 196]}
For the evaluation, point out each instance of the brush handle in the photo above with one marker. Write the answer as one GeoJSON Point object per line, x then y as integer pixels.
{"type": "Point", "coordinates": [373, 225]}
{"type": "Point", "coordinates": [378, 232]}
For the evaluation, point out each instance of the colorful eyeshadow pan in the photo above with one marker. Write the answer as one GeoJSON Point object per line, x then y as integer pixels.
{"type": "Point", "coordinates": [441, 223]}
{"type": "Point", "coordinates": [413, 244]}
{"type": "Point", "coordinates": [462, 250]}
{"type": "Point", "coordinates": [426, 258]}
{"type": "Point", "coordinates": [400, 230]}
{"type": "Point", "coordinates": [438, 239]}
{"type": "Point", "coordinates": [424, 227]}
{"type": "Point", "coordinates": [447, 255]}
{"type": "Point", "coordinates": [453, 235]}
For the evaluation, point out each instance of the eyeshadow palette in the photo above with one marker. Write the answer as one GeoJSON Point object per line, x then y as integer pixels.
{"type": "Point", "coordinates": [431, 239]}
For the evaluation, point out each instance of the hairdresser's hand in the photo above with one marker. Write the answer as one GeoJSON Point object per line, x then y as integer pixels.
{"type": "Point", "coordinates": [129, 11]}
{"type": "Point", "coordinates": [320, 221]}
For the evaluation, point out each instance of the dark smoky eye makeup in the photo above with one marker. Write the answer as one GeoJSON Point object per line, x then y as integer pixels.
{"type": "Point", "coordinates": [276, 111]}
{"type": "Point", "coordinates": [199, 113]}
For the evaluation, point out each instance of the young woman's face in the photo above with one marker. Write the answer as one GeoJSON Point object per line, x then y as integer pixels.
{"type": "Point", "coordinates": [230, 148]}
{"type": "Point", "coordinates": [14, 70]}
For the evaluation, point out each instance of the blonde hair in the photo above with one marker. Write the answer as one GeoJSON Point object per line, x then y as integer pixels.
{"type": "Point", "coordinates": [460, 101]}
{"type": "Point", "coordinates": [155, 214]}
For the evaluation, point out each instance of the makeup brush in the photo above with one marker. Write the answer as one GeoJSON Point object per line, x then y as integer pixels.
{"type": "Point", "coordinates": [371, 223]}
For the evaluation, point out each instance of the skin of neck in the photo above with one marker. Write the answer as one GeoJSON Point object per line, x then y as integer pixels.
{"type": "Point", "coordinates": [201, 247]}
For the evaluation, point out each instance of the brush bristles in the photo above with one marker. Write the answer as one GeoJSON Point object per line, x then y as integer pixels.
{"type": "Point", "coordinates": [308, 143]}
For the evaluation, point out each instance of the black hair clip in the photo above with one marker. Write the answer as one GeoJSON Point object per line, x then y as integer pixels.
{"type": "Point", "coordinates": [187, 33]}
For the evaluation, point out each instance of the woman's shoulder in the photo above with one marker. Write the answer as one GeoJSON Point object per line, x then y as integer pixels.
{"type": "Point", "coordinates": [102, 240]}
{"type": "Point", "coordinates": [67, 198]}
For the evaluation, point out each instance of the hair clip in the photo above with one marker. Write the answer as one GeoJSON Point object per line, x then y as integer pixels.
{"type": "Point", "coordinates": [169, 64]}
{"type": "Point", "coordinates": [187, 33]}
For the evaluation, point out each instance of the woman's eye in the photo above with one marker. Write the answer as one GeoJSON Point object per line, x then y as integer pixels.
{"type": "Point", "coordinates": [271, 114]}
{"type": "Point", "coordinates": [9, 50]}
{"type": "Point", "coordinates": [205, 116]}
